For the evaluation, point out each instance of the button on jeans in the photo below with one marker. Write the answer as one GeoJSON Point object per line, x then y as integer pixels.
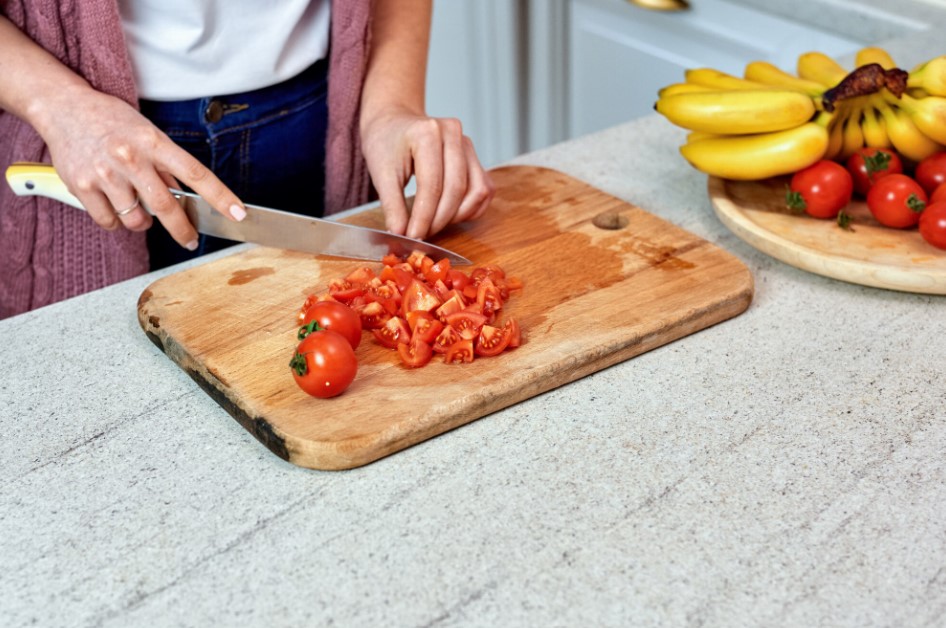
{"type": "Point", "coordinates": [267, 145]}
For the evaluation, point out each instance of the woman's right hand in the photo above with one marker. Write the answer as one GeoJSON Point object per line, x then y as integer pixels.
{"type": "Point", "coordinates": [108, 154]}
{"type": "Point", "coordinates": [113, 158]}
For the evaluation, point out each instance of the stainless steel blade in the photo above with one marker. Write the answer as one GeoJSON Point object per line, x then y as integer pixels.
{"type": "Point", "coordinates": [281, 229]}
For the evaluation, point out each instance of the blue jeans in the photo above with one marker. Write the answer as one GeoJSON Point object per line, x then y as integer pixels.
{"type": "Point", "coordinates": [267, 145]}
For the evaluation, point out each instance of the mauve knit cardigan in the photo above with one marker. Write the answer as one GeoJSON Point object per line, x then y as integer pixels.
{"type": "Point", "coordinates": [50, 252]}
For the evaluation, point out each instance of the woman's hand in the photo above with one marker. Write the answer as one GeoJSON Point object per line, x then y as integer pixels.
{"type": "Point", "coordinates": [452, 186]}
{"type": "Point", "coordinates": [399, 140]}
{"type": "Point", "coordinates": [110, 156]}
{"type": "Point", "coordinates": [114, 160]}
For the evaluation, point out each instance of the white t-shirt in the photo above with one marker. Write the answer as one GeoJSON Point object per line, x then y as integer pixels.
{"type": "Point", "coordinates": [183, 49]}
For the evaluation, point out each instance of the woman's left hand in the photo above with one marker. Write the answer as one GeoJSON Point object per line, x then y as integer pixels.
{"type": "Point", "coordinates": [452, 185]}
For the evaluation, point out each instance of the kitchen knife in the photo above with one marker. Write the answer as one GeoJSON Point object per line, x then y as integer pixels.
{"type": "Point", "coordinates": [268, 227]}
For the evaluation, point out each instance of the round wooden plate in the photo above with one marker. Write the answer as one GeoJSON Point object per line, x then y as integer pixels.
{"type": "Point", "coordinates": [868, 254]}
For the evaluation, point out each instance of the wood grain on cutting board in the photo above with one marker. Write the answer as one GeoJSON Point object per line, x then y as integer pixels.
{"type": "Point", "coordinates": [594, 296]}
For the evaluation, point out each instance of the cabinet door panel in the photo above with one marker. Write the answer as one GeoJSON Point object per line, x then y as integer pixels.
{"type": "Point", "coordinates": [620, 55]}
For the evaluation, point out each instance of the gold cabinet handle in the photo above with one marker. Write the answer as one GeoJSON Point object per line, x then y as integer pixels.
{"type": "Point", "coordinates": [662, 5]}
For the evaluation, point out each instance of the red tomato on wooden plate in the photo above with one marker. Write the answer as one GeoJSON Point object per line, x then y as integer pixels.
{"type": "Point", "coordinates": [821, 190]}
{"type": "Point", "coordinates": [896, 201]}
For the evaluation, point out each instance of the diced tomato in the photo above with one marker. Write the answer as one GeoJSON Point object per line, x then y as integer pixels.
{"type": "Point", "coordinates": [416, 260]}
{"type": "Point", "coordinates": [511, 328]}
{"type": "Point", "coordinates": [469, 291]}
{"type": "Point", "coordinates": [467, 324]}
{"type": "Point", "coordinates": [442, 290]}
{"type": "Point", "coordinates": [360, 275]}
{"type": "Point", "coordinates": [491, 341]}
{"type": "Point", "coordinates": [424, 326]}
{"type": "Point", "coordinates": [419, 297]}
{"type": "Point", "coordinates": [457, 279]}
{"type": "Point", "coordinates": [346, 295]}
{"type": "Point", "coordinates": [391, 259]}
{"type": "Point", "coordinates": [490, 271]}
{"type": "Point", "coordinates": [394, 332]}
{"type": "Point", "coordinates": [450, 306]}
{"type": "Point", "coordinates": [445, 339]}
{"type": "Point", "coordinates": [459, 352]}
{"type": "Point", "coordinates": [415, 353]}
{"type": "Point", "coordinates": [438, 272]}
{"type": "Point", "coordinates": [373, 315]}
{"type": "Point", "coordinates": [488, 297]}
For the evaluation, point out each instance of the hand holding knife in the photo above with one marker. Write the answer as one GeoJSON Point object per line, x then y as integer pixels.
{"type": "Point", "coordinates": [262, 225]}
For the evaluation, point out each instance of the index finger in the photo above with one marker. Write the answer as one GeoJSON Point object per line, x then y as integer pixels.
{"type": "Point", "coordinates": [187, 169]}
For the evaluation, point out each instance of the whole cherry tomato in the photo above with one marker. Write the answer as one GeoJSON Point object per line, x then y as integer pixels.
{"type": "Point", "coordinates": [822, 190]}
{"type": "Point", "coordinates": [337, 317]}
{"type": "Point", "coordinates": [870, 164]}
{"type": "Point", "coordinates": [896, 201]}
{"type": "Point", "coordinates": [931, 172]}
{"type": "Point", "coordinates": [324, 364]}
{"type": "Point", "coordinates": [933, 224]}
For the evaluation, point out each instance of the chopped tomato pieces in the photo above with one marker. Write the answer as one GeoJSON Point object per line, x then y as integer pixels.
{"type": "Point", "coordinates": [420, 306]}
{"type": "Point", "coordinates": [415, 353]}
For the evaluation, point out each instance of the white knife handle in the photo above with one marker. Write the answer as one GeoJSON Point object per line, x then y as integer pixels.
{"type": "Point", "coordinates": [29, 179]}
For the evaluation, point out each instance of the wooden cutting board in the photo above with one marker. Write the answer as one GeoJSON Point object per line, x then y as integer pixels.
{"type": "Point", "coordinates": [594, 296]}
{"type": "Point", "coordinates": [868, 254]}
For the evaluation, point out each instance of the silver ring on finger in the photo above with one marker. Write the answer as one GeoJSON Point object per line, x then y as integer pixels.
{"type": "Point", "coordinates": [130, 208]}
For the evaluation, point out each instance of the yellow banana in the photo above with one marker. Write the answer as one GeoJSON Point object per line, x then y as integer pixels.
{"type": "Point", "coordinates": [693, 136]}
{"type": "Point", "coordinates": [737, 111]}
{"type": "Point", "coordinates": [853, 134]}
{"type": "Point", "coordinates": [708, 77]}
{"type": "Point", "coordinates": [819, 67]}
{"type": "Point", "coordinates": [906, 138]}
{"type": "Point", "coordinates": [762, 155]}
{"type": "Point", "coordinates": [770, 74]}
{"type": "Point", "coordinates": [930, 76]}
{"type": "Point", "coordinates": [928, 114]}
{"type": "Point", "coordinates": [835, 130]}
{"type": "Point", "coordinates": [875, 133]}
{"type": "Point", "coordinates": [873, 54]}
{"type": "Point", "coordinates": [680, 88]}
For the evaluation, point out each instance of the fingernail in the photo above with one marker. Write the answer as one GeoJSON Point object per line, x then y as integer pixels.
{"type": "Point", "coordinates": [191, 246]}
{"type": "Point", "coordinates": [237, 212]}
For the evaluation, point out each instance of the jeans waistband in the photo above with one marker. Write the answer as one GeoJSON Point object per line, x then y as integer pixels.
{"type": "Point", "coordinates": [215, 115]}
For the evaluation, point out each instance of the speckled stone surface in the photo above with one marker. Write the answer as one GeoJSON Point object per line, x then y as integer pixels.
{"type": "Point", "coordinates": [783, 468]}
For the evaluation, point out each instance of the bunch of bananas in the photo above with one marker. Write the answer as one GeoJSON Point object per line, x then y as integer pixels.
{"type": "Point", "coordinates": [771, 122]}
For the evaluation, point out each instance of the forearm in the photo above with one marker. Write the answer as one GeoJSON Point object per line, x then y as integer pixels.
{"type": "Point", "coordinates": [397, 65]}
{"type": "Point", "coordinates": [31, 79]}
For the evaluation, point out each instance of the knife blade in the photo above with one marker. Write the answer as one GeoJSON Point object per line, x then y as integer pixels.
{"type": "Point", "coordinates": [262, 225]}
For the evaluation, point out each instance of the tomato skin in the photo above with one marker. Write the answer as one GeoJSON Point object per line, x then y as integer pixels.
{"type": "Point", "coordinates": [415, 353]}
{"type": "Point", "coordinates": [337, 317]}
{"type": "Point", "coordinates": [866, 167]}
{"type": "Point", "coordinates": [324, 364]}
{"type": "Point", "coordinates": [511, 328]}
{"type": "Point", "coordinates": [896, 201]}
{"type": "Point", "coordinates": [933, 224]}
{"type": "Point", "coordinates": [822, 189]}
{"type": "Point", "coordinates": [939, 194]}
{"type": "Point", "coordinates": [931, 172]}
{"type": "Point", "coordinates": [418, 296]}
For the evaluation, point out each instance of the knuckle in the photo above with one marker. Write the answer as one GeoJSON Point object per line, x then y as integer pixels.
{"type": "Point", "coordinates": [452, 127]}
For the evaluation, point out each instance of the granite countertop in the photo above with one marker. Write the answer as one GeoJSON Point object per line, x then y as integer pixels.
{"type": "Point", "coordinates": [784, 467]}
